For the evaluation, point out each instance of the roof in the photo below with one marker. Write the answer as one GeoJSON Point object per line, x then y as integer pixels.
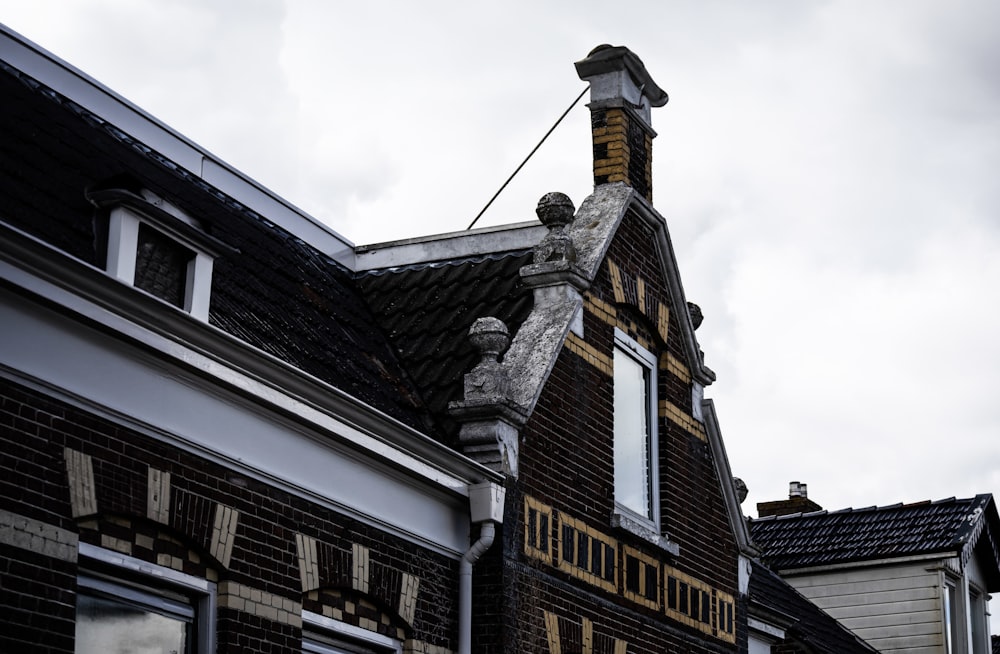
{"type": "Point", "coordinates": [808, 626]}
{"type": "Point", "coordinates": [273, 290]}
{"type": "Point", "coordinates": [427, 310]}
{"type": "Point", "coordinates": [832, 537]}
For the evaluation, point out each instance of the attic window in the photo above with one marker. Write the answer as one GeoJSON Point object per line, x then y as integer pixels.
{"type": "Point", "coordinates": [635, 430]}
{"type": "Point", "coordinates": [157, 248]}
{"type": "Point", "coordinates": [161, 266]}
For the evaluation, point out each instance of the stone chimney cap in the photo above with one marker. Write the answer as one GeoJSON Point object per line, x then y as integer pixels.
{"type": "Point", "coordinates": [613, 58]}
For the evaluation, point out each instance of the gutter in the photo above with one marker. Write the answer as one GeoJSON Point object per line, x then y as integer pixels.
{"type": "Point", "coordinates": [486, 507]}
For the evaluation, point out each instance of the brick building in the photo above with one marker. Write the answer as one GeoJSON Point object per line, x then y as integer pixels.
{"type": "Point", "coordinates": [226, 428]}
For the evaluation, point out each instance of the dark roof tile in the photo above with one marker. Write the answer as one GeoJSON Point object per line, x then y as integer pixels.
{"type": "Point", "coordinates": [828, 537]}
{"type": "Point", "coordinates": [428, 308]}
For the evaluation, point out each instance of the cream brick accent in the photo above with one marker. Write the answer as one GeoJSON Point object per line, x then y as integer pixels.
{"type": "Point", "coordinates": [361, 567]}
{"type": "Point", "coordinates": [38, 537]}
{"type": "Point", "coordinates": [588, 636]}
{"type": "Point", "coordinates": [144, 541]}
{"type": "Point", "coordinates": [308, 562]}
{"type": "Point", "coordinates": [672, 412]}
{"type": "Point", "coordinates": [116, 544]}
{"type": "Point", "coordinates": [596, 539]}
{"type": "Point", "coordinates": [616, 282]}
{"type": "Point", "coordinates": [420, 647]}
{"type": "Point", "coordinates": [82, 492]}
{"type": "Point", "coordinates": [640, 597]}
{"type": "Point", "coordinates": [158, 496]}
{"type": "Point", "coordinates": [224, 533]}
{"type": "Point", "coordinates": [552, 632]}
{"type": "Point", "coordinates": [233, 595]}
{"type": "Point", "coordinates": [621, 646]}
{"type": "Point", "coordinates": [663, 321]}
{"type": "Point", "coordinates": [640, 291]}
{"type": "Point", "coordinates": [675, 366]}
{"type": "Point", "coordinates": [601, 310]}
{"type": "Point", "coordinates": [408, 597]}
{"type": "Point", "coordinates": [594, 357]}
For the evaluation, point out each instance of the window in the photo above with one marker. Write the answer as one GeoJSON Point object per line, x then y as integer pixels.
{"type": "Point", "coordinates": [635, 430]}
{"type": "Point", "coordinates": [951, 630]}
{"type": "Point", "coordinates": [156, 247]}
{"type": "Point", "coordinates": [979, 620]}
{"type": "Point", "coordinates": [323, 635]}
{"type": "Point", "coordinates": [127, 605]}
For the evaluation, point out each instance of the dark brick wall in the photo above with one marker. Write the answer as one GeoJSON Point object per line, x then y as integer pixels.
{"type": "Point", "coordinates": [566, 461]}
{"type": "Point", "coordinates": [37, 593]}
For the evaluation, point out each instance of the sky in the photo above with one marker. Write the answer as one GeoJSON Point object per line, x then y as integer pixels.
{"type": "Point", "coordinates": [827, 169]}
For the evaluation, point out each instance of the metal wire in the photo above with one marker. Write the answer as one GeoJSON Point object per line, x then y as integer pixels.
{"type": "Point", "coordinates": [551, 129]}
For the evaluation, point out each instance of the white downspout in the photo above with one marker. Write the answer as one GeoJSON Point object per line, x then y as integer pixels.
{"type": "Point", "coordinates": [486, 509]}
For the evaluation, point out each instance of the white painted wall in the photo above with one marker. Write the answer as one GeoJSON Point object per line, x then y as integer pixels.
{"type": "Point", "coordinates": [895, 608]}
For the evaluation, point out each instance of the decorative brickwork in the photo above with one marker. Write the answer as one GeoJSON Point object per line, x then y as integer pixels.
{"type": "Point", "coordinates": [606, 562]}
{"type": "Point", "coordinates": [623, 150]}
{"type": "Point", "coordinates": [97, 482]}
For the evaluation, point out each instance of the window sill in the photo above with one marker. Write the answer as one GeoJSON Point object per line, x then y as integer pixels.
{"type": "Point", "coordinates": [644, 529]}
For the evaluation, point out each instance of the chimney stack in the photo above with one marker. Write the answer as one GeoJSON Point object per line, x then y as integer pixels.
{"type": "Point", "coordinates": [621, 96]}
{"type": "Point", "coordinates": [798, 502]}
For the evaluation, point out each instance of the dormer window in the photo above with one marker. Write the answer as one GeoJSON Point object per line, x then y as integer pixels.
{"type": "Point", "coordinates": [158, 248]}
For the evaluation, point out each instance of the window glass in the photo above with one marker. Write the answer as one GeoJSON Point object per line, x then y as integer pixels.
{"type": "Point", "coordinates": [632, 434]}
{"type": "Point", "coordinates": [950, 621]}
{"type": "Point", "coordinates": [161, 265]}
{"type": "Point", "coordinates": [132, 622]}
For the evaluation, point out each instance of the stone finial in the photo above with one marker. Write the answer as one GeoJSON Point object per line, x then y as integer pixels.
{"type": "Point", "coordinates": [555, 210]}
{"type": "Point", "coordinates": [741, 489]}
{"type": "Point", "coordinates": [487, 380]}
{"type": "Point", "coordinates": [697, 317]}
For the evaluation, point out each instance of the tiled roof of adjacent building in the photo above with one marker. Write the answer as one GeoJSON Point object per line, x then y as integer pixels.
{"type": "Point", "coordinates": [830, 537]}
{"type": "Point", "coordinates": [810, 628]}
{"type": "Point", "coordinates": [427, 309]}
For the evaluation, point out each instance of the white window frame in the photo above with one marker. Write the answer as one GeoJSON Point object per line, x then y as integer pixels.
{"type": "Point", "coordinates": [979, 620]}
{"type": "Point", "coordinates": [344, 637]}
{"type": "Point", "coordinates": [100, 568]}
{"type": "Point", "coordinates": [128, 210]}
{"type": "Point", "coordinates": [123, 242]}
{"type": "Point", "coordinates": [625, 516]}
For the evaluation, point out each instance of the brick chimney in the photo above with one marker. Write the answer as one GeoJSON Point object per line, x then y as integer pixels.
{"type": "Point", "coordinates": [798, 502]}
{"type": "Point", "coordinates": [621, 95]}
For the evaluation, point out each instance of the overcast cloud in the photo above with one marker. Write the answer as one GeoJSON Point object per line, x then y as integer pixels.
{"type": "Point", "coordinates": [828, 171]}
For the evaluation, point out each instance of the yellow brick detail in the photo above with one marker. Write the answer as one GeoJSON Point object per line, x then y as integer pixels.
{"type": "Point", "coordinates": [616, 282]}
{"type": "Point", "coordinates": [580, 567]}
{"type": "Point", "coordinates": [588, 636]}
{"type": "Point", "coordinates": [308, 562]}
{"type": "Point", "coordinates": [158, 496]}
{"type": "Point", "coordinates": [82, 491]}
{"type": "Point", "coordinates": [688, 592]}
{"type": "Point", "coordinates": [272, 607]}
{"type": "Point", "coordinates": [663, 321]}
{"type": "Point", "coordinates": [224, 533]}
{"type": "Point", "coordinates": [675, 366]}
{"type": "Point", "coordinates": [361, 575]}
{"type": "Point", "coordinates": [116, 544]}
{"type": "Point", "coordinates": [593, 356]}
{"type": "Point", "coordinates": [601, 310]}
{"type": "Point", "coordinates": [648, 561]}
{"type": "Point", "coordinates": [540, 532]}
{"type": "Point", "coordinates": [672, 412]}
{"type": "Point", "coordinates": [552, 632]}
{"type": "Point", "coordinates": [640, 290]}
{"type": "Point", "coordinates": [621, 646]}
